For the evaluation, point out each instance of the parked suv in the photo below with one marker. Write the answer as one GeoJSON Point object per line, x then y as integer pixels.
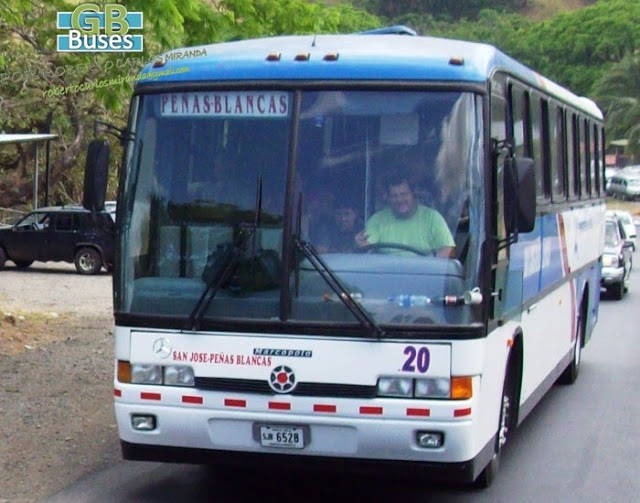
{"type": "Point", "coordinates": [60, 234]}
{"type": "Point", "coordinates": [617, 260]}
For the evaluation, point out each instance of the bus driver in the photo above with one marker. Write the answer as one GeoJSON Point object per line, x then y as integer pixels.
{"type": "Point", "coordinates": [407, 222]}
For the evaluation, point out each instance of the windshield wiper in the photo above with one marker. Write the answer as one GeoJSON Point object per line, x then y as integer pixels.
{"type": "Point", "coordinates": [229, 262]}
{"type": "Point", "coordinates": [223, 274]}
{"type": "Point", "coordinates": [365, 319]}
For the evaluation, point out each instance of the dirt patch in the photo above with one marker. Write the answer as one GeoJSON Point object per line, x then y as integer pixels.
{"type": "Point", "coordinates": [56, 368]}
{"type": "Point", "coordinates": [25, 331]}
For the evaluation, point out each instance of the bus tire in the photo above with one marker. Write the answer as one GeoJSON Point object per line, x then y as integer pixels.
{"type": "Point", "coordinates": [570, 374]}
{"type": "Point", "coordinates": [3, 257]}
{"type": "Point", "coordinates": [618, 289]}
{"type": "Point", "coordinates": [506, 425]}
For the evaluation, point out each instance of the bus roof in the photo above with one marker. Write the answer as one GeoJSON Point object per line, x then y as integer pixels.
{"type": "Point", "coordinates": [351, 57]}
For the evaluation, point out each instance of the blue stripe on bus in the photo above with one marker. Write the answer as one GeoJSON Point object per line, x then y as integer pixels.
{"type": "Point", "coordinates": [359, 57]}
{"type": "Point", "coordinates": [355, 57]}
{"type": "Point", "coordinates": [538, 254]}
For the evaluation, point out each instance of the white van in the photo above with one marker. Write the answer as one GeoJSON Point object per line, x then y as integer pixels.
{"type": "Point", "coordinates": [625, 186]}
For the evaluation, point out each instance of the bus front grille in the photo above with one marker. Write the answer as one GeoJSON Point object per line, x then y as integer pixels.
{"type": "Point", "coordinates": [302, 389]}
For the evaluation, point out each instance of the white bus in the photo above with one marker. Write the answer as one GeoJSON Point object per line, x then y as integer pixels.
{"type": "Point", "coordinates": [250, 324]}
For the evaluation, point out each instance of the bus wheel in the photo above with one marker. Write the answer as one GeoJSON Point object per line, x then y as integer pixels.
{"type": "Point", "coordinates": [505, 427]}
{"type": "Point", "coordinates": [570, 374]}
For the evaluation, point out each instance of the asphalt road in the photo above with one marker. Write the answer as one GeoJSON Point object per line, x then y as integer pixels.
{"type": "Point", "coordinates": [580, 444]}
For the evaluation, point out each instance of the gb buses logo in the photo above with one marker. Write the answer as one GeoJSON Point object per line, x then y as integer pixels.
{"type": "Point", "coordinates": [91, 30]}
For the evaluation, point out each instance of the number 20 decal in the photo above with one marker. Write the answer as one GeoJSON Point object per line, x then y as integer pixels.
{"type": "Point", "coordinates": [416, 358]}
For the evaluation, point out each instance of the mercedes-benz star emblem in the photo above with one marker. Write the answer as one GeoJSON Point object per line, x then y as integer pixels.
{"type": "Point", "coordinates": [282, 379]}
{"type": "Point", "coordinates": [162, 347]}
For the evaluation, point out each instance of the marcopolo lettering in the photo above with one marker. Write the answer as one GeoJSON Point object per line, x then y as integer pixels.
{"type": "Point", "coordinates": [292, 353]}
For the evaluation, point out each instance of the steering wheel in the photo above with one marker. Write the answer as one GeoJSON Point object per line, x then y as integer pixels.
{"type": "Point", "coordinates": [34, 227]}
{"type": "Point", "coordinates": [396, 246]}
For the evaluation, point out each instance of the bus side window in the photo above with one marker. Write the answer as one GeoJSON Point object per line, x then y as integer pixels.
{"type": "Point", "coordinates": [518, 120]}
{"type": "Point", "coordinates": [558, 157]}
{"type": "Point", "coordinates": [499, 133]}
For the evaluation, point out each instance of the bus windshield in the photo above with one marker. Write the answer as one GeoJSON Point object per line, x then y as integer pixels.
{"type": "Point", "coordinates": [276, 205]}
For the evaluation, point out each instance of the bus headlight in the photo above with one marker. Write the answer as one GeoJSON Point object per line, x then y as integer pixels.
{"type": "Point", "coordinates": [452, 388]}
{"type": "Point", "coordinates": [435, 387]}
{"type": "Point", "coordinates": [178, 375]}
{"type": "Point", "coordinates": [395, 386]}
{"type": "Point", "coordinates": [609, 260]}
{"type": "Point", "coordinates": [146, 374]}
{"type": "Point", "coordinates": [141, 373]}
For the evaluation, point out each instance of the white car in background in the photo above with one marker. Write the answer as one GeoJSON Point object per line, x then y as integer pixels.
{"type": "Point", "coordinates": [617, 260]}
{"type": "Point", "coordinates": [110, 207]}
{"type": "Point", "coordinates": [628, 224]}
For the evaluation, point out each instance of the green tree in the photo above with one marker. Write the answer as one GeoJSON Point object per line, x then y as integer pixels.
{"type": "Point", "coordinates": [257, 18]}
{"type": "Point", "coordinates": [618, 93]}
{"type": "Point", "coordinates": [440, 9]}
{"type": "Point", "coordinates": [577, 47]}
{"type": "Point", "coordinates": [574, 48]}
{"type": "Point", "coordinates": [30, 66]}
{"type": "Point", "coordinates": [491, 27]}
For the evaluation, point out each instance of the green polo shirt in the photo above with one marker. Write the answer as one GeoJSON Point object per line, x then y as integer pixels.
{"type": "Point", "coordinates": [425, 230]}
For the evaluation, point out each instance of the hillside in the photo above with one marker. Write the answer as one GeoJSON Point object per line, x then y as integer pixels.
{"type": "Point", "coordinates": [541, 9]}
{"type": "Point", "coordinates": [535, 9]}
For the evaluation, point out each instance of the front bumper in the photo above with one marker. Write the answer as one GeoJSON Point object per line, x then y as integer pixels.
{"type": "Point", "coordinates": [208, 432]}
{"type": "Point", "coordinates": [462, 472]}
{"type": "Point", "coordinates": [611, 276]}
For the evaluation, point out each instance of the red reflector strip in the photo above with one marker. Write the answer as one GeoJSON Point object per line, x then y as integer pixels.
{"type": "Point", "coordinates": [418, 412]}
{"type": "Point", "coordinates": [117, 392]}
{"type": "Point", "coordinates": [230, 402]}
{"type": "Point", "coordinates": [370, 410]}
{"type": "Point", "coordinates": [192, 399]}
{"type": "Point", "coordinates": [462, 412]}
{"type": "Point", "coordinates": [280, 405]}
{"type": "Point", "coordinates": [324, 408]}
{"type": "Point", "coordinates": [150, 396]}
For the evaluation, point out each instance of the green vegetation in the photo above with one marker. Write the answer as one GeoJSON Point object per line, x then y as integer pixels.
{"type": "Point", "coordinates": [30, 67]}
{"type": "Point", "coordinates": [618, 92]}
{"type": "Point", "coordinates": [586, 45]}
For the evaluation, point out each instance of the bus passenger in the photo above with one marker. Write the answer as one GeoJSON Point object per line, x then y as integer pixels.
{"type": "Point", "coordinates": [407, 222]}
{"type": "Point", "coordinates": [338, 235]}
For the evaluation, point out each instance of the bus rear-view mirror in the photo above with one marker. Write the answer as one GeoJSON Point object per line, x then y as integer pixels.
{"type": "Point", "coordinates": [96, 172]}
{"type": "Point", "coordinates": [519, 195]}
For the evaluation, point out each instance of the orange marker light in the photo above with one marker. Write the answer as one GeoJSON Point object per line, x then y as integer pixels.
{"type": "Point", "coordinates": [461, 387]}
{"type": "Point", "coordinates": [124, 371]}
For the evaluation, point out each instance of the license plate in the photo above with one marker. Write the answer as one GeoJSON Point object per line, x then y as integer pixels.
{"type": "Point", "coordinates": [288, 437]}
